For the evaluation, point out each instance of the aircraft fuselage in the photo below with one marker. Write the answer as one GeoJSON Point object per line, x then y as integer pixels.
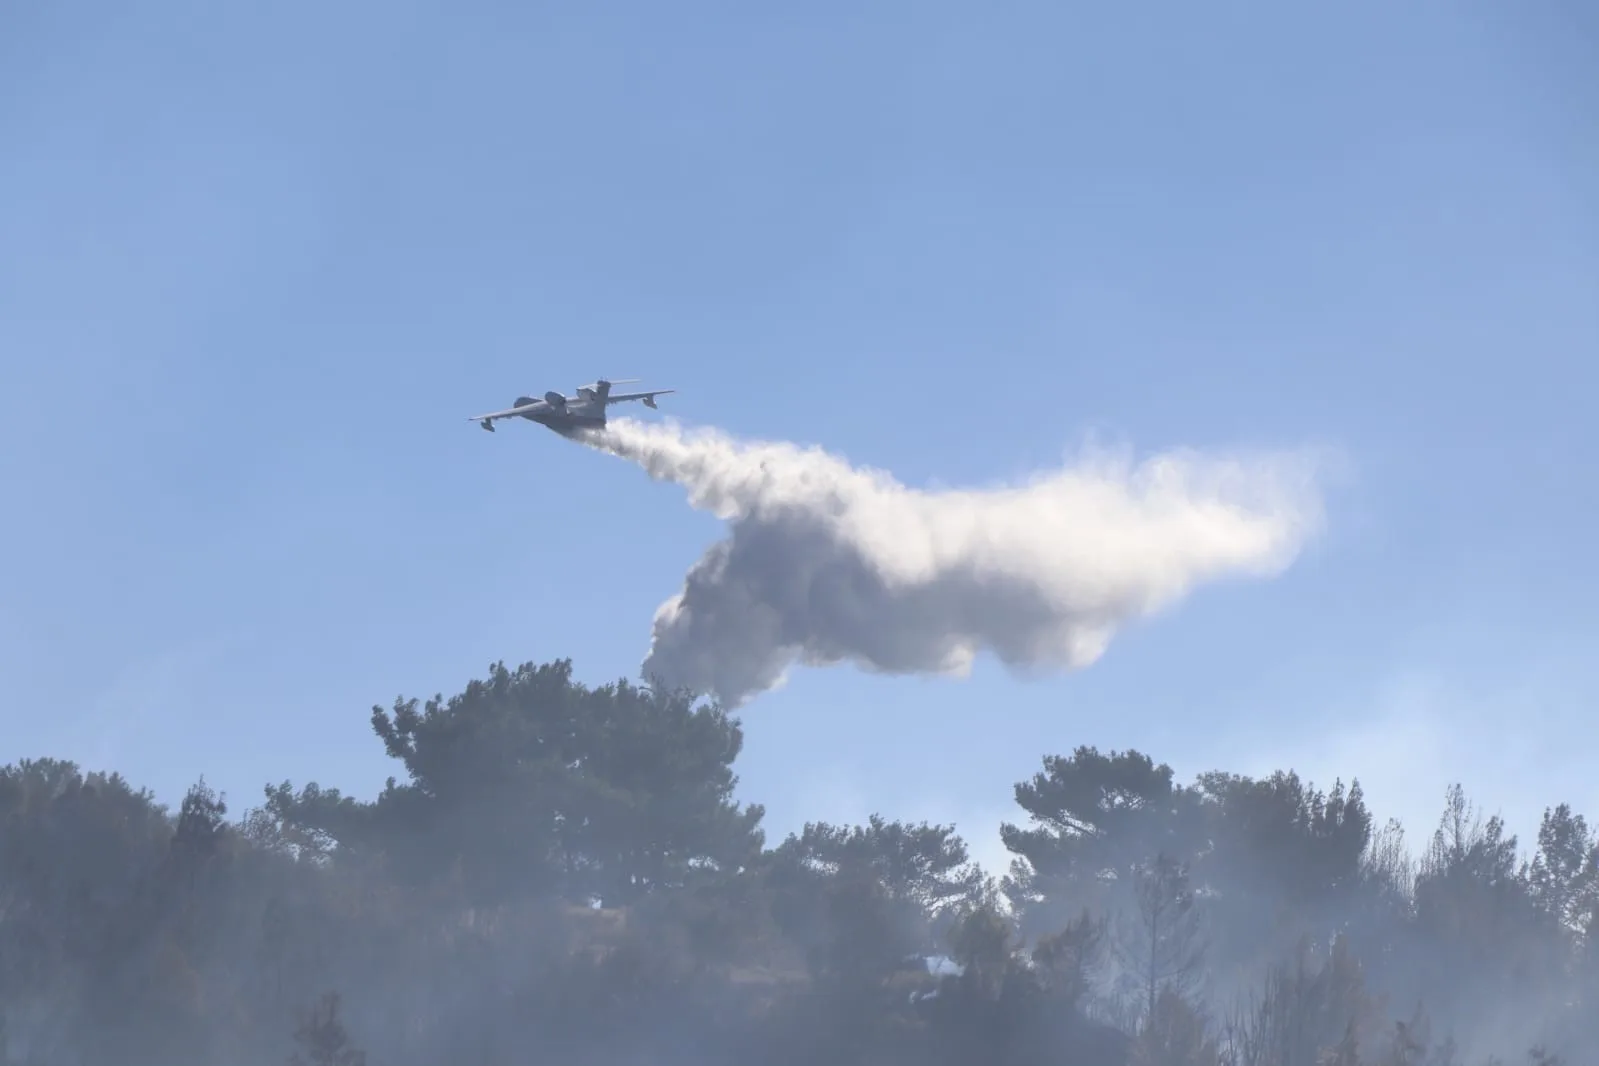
{"type": "Point", "coordinates": [564, 422]}
{"type": "Point", "coordinates": [566, 419]}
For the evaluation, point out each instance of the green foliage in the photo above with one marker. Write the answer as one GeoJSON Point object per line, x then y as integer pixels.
{"type": "Point", "coordinates": [529, 782]}
{"type": "Point", "coordinates": [1095, 819]}
{"type": "Point", "coordinates": [1564, 875]}
{"type": "Point", "coordinates": [561, 873]}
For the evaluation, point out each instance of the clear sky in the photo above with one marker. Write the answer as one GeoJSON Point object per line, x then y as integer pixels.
{"type": "Point", "coordinates": [259, 262]}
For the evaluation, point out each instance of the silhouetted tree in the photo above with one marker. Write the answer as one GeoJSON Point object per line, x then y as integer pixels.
{"type": "Point", "coordinates": [321, 1039]}
{"type": "Point", "coordinates": [530, 783]}
{"type": "Point", "coordinates": [1161, 941]}
{"type": "Point", "coordinates": [1564, 874]}
{"type": "Point", "coordinates": [922, 872]}
{"type": "Point", "coordinates": [1095, 818]}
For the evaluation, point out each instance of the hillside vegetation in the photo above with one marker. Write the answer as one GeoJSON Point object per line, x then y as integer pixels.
{"type": "Point", "coordinates": [559, 873]}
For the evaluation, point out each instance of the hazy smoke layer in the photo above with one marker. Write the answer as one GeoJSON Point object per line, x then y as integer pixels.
{"type": "Point", "coordinates": [825, 562]}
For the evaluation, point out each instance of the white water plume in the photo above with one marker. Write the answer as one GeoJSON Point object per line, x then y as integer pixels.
{"type": "Point", "coordinates": [825, 562]}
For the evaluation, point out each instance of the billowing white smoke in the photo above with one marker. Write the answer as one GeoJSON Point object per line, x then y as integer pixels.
{"type": "Point", "coordinates": [825, 562]}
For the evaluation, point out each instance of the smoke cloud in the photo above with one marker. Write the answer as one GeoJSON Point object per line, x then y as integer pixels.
{"type": "Point", "coordinates": [826, 563]}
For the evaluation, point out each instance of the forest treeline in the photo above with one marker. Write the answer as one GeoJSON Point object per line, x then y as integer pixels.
{"type": "Point", "coordinates": [561, 874]}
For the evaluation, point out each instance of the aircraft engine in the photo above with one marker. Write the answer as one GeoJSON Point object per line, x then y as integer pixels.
{"type": "Point", "coordinates": [555, 399]}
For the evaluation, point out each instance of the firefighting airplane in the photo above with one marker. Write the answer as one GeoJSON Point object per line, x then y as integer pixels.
{"type": "Point", "coordinates": [569, 414]}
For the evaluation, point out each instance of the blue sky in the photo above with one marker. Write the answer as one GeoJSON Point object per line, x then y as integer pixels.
{"type": "Point", "coordinates": [257, 267]}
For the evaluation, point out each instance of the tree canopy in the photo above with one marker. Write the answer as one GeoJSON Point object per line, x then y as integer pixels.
{"type": "Point", "coordinates": [561, 872]}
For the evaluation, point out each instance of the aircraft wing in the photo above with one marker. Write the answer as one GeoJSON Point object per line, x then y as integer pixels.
{"type": "Point", "coordinates": [487, 421]}
{"type": "Point", "coordinates": [647, 397]}
{"type": "Point", "coordinates": [509, 412]}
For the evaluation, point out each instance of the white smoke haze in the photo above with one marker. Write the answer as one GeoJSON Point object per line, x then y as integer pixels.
{"type": "Point", "coordinates": [827, 563]}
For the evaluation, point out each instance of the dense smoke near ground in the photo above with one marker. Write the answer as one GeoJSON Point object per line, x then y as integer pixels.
{"type": "Point", "coordinates": [826, 562]}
